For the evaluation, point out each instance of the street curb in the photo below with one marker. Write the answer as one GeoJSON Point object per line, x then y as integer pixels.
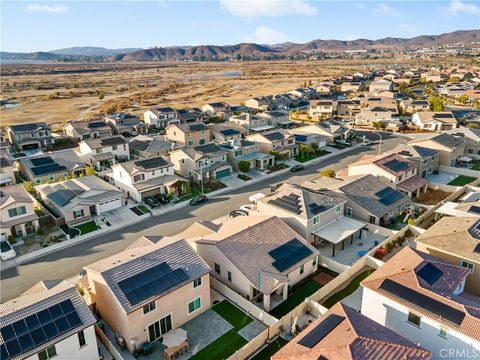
{"type": "Point", "coordinates": [4, 265]}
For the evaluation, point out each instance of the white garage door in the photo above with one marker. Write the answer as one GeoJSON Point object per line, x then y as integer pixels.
{"type": "Point", "coordinates": [109, 205]}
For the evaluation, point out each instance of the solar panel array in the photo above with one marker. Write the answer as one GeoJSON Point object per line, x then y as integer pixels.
{"type": "Point", "coordinates": [113, 141]}
{"type": "Point", "coordinates": [289, 254]}
{"type": "Point", "coordinates": [62, 196]}
{"type": "Point", "coordinates": [321, 330]}
{"type": "Point", "coordinates": [48, 169]}
{"type": "Point", "coordinates": [388, 195]}
{"type": "Point", "coordinates": [316, 208]}
{"type": "Point", "coordinates": [275, 136]}
{"type": "Point", "coordinates": [96, 124]}
{"type": "Point", "coordinates": [208, 148]}
{"type": "Point", "coordinates": [290, 202]}
{"type": "Point", "coordinates": [229, 132]}
{"type": "Point", "coordinates": [38, 329]}
{"type": "Point", "coordinates": [151, 163]}
{"type": "Point", "coordinates": [474, 209]}
{"type": "Point", "coordinates": [151, 282]}
{"type": "Point", "coordinates": [397, 165]}
{"type": "Point", "coordinates": [430, 273]}
{"type": "Point", "coordinates": [198, 127]}
{"type": "Point", "coordinates": [300, 138]}
{"type": "Point", "coordinates": [42, 161]}
{"type": "Point", "coordinates": [433, 306]}
{"type": "Point", "coordinates": [405, 153]}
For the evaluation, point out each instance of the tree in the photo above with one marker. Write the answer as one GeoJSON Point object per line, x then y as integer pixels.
{"type": "Point", "coordinates": [279, 157]}
{"type": "Point", "coordinates": [454, 79]}
{"type": "Point", "coordinates": [472, 126]}
{"type": "Point", "coordinates": [306, 150]}
{"type": "Point", "coordinates": [436, 104]}
{"type": "Point", "coordinates": [28, 185]}
{"type": "Point", "coordinates": [328, 172]}
{"type": "Point", "coordinates": [89, 170]}
{"type": "Point", "coordinates": [244, 166]}
{"type": "Point", "coordinates": [463, 98]}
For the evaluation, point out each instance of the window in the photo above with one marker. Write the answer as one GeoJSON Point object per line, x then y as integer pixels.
{"type": "Point", "coordinates": [139, 177]}
{"type": "Point", "coordinates": [183, 161]}
{"type": "Point", "coordinates": [430, 169]}
{"type": "Point", "coordinates": [338, 208]}
{"type": "Point", "coordinates": [190, 142]}
{"type": "Point", "coordinates": [17, 211]}
{"type": "Point", "coordinates": [470, 151]}
{"type": "Point", "coordinates": [38, 180]}
{"type": "Point", "coordinates": [78, 214]}
{"type": "Point", "coordinates": [217, 268]}
{"type": "Point", "coordinates": [201, 141]}
{"type": "Point", "coordinates": [194, 305]}
{"type": "Point", "coordinates": [413, 319]}
{"type": "Point", "coordinates": [315, 220]}
{"type": "Point", "coordinates": [229, 276]}
{"type": "Point", "coordinates": [48, 353]}
{"type": "Point", "coordinates": [158, 328]}
{"type": "Point", "coordinates": [197, 282]}
{"type": "Point", "coordinates": [443, 333]}
{"type": "Point", "coordinates": [222, 157]}
{"type": "Point", "coordinates": [149, 307]}
{"type": "Point", "coordinates": [114, 147]}
{"type": "Point", "coordinates": [349, 211]}
{"type": "Point", "coordinates": [468, 265]}
{"type": "Point", "coordinates": [302, 269]}
{"type": "Point", "coordinates": [81, 339]}
{"type": "Point", "coordinates": [51, 177]}
{"type": "Point", "coordinates": [314, 261]}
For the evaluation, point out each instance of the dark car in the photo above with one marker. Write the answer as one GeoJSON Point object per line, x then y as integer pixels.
{"type": "Point", "coordinates": [163, 198]}
{"type": "Point", "coordinates": [235, 213]}
{"type": "Point", "coordinates": [127, 134]}
{"type": "Point", "coordinates": [152, 202]}
{"type": "Point", "coordinates": [198, 200]}
{"type": "Point", "coordinates": [296, 168]}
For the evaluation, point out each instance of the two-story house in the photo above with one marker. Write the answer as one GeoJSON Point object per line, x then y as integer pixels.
{"type": "Point", "coordinates": [245, 150]}
{"type": "Point", "coordinates": [17, 210]}
{"type": "Point", "coordinates": [5, 147]}
{"type": "Point", "coordinates": [30, 136]}
{"type": "Point", "coordinates": [149, 289]}
{"type": "Point", "coordinates": [471, 137]}
{"type": "Point", "coordinates": [449, 148]}
{"type": "Point", "coordinates": [412, 106]}
{"type": "Point", "coordinates": [351, 86]}
{"type": "Point", "coordinates": [251, 122]}
{"type": "Point", "coordinates": [160, 117]}
{"type": "Point", "coordinates": [259, 103]}
{"type": "Point", "coordinates": [150, 146]}
{"type": "Point", "coordinates": [426, 160]}
{"type": "Point", "coordinates": [188, 134]}
{"type": "Point", "coordinates": [191, 115]}
{"type": "Point", "coordinates": [348, 108]}
{"type": "Point", "coordinates": [380, 85]}
{"type": "Point", "coordinates": [122, 123]}
{"type": "Point", "coordinates": [276, 141]}
{"type": "Point", "coordinates": [103, 153]}
{"type": "Point", "coordinates": [369, 115]}
{"type": "Point", "coordinates": [218, 109]}
{"type": "Point", "coordinates": [321, 108]}
{"type": "Point", "coordinates": [277, 118]}
{"type": "Point", "coordinates": [435, 120]}
{"type": "Point", "coordinates": [83, 130]}
{"type": "Point", "coordinates": [227, 131]}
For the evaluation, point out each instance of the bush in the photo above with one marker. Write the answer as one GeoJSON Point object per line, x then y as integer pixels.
{"type": "Point", "coordinates": [11, 239]}
{"type": "Point", "coordinates": [244, 166]}
{"type": "Point", "coordinates": [28, 186]}
{"type": "Point", "coordinates": [40, 231]}
{"type": "Point", "coordinates": [328, 172]}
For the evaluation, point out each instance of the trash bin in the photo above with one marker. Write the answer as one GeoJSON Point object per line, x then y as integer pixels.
{"type": "Point", "coordinates": [147, 348]}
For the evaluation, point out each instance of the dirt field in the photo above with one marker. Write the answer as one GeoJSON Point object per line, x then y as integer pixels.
{"type": "Point", "coordinates": [57, 93]}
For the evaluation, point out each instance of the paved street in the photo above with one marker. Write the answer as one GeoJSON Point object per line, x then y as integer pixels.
{"type": "Point", "coordinates": [70, 261]}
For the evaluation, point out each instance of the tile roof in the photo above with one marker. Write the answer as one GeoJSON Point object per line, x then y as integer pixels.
{"type": "Point", "coordinates": [442, 116]}
{"type": "Point", "coordinates": [145, 165]}
{"type": "Point", "coordinates": [29, 127]}
{"type": "Point", "coordinates": [448, 140]}
{"type": "Point", "coordinates": [413, 151]}
{"type": "Point", "coordinates": [14, 193]}
{"type": "Point", "coordinates": [395, 164]}
{"type": "Point", "coordinates": [191, 127]}
{"type": "Point", "coordinates": [99, 143]}
{"type": "Point", "coordinates": [151, 143]}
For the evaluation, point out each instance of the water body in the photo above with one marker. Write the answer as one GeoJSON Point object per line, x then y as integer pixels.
{"type": "Point", "coordinates": [232, 73]}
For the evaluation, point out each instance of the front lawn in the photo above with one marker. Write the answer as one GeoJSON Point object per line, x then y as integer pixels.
{"type": "Point", "coordinates": [348, 290]}
{"type": "Point", "coordinates": [304, 158]}
{"type": "Point", "coordinates": [87, 227]}
{"type": "Point", "coordinates": [298, 294]}
{"type": "Point", "coordinates": [143, 209]}
{"type": "Point", "coordinates": [462, 180]}
{"type": "Point", "coordinates": [271, 349]}
{"type": "Point", "coordinates": [476, 166]}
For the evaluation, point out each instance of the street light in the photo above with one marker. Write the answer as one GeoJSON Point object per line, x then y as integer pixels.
{"type": "Point", "coordinates": [380, 143]}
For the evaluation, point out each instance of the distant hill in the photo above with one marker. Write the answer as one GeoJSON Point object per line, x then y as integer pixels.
{"type": "Point", "coordinates": [40, 56]}
{"type": "Point", "coordinates": [92, 51]}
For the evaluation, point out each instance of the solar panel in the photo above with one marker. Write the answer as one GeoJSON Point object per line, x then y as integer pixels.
{"type": "Point", "coordinates": [48, 169]}
{"type": "Point", "coordinates": [229, 132]}
{"type": "Point", "coordinates": [396, 165]}
{"type": "Point", "coordinates": [287, 205]}
{"type": "Point", "coordinates": [388, 195]}
{"type": "Point", "coordinates": [198, 127]}
{"type": "Point", "coordinates": [477, 249]}
{"type": "Point", "coordinates": [96, 124]}
{"type": "Point", "coordinates": [433, 306]}
{"type": "Point", "coordinates": [42, 161]}
{"type": "Point", "coordinates": [151, 163]}
{"type": "Point", "coordinates": [117, 140]}
{"type": "Point", "coordinates": [300, 138]}
{"type": "Point", "coordinates": [35, 330]}
{"type": "Point", "coordinates": [289, 254]}
{"type": "Point", "coordinates": [208, 148]}
{"type": "Point", "coordinates": [316, 208]}
{"type": "Point", "coordinates": [321, 330]}
{"type": "Point", "coordinates": [430, 273]}
{"type": "Point", "coordinates": [151, 282]}
{"type": "Point", "coordinates": [275, 136]}
{"type": "Point", "coordinates": [474, 209]}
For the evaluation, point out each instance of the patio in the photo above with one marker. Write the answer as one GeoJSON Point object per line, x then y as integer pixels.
{"type": "Point", "coordinates": [442, 177]}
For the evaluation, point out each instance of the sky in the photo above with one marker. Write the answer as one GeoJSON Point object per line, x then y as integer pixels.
{"type": "Point", "coordinates": [28, 26]}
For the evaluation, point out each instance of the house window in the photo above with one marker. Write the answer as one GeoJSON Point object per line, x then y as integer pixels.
{"type": "Point", "coordinates": [470, 151]}
{"type": "Point", "coordinates": [443, 333]}
{"type": "Point", "coordinates": [114, 147]}
{"type": "Point", "coordinates": [201, 141]}
{"type": "Point", "coordinates": [149, 307]}
{"type": "Point", "coordinates": [222, 157]}
{"type": "Point", "coordinates": [139, 177]}
{"type": "Point", "coordinates": [315, 220]}
{"type": "Point", "coordinates": [47, 353]}
{"type": "Point", "coordinates": [338, 208]}
{"type": "Point", "coordinates": [430, 169]}
{"type": "Point", "coordinates": [197, 282]}
{"type": "Point", "coordinates": [194, 305]}
{"type": "Point", "coordinates": [183, 161]}
{"type": "Point", "coordinates": [81, 339]}
{"type": "Point", "coordinates": [190, 142]}
{"type": "Point", "coordinates": [314, 261]}
{"type": "Point", "coordinates": [302, 269]}
{"type": "Point", "coordinates": [217, 268]}
{"type": "Point", "coordinates": [229, 276]}
{"type": "Point", "coordinates": [158, 328]}
{"type": "Point", "coordinates": [78, 214]}
{"type": "Point", "coordinates": [468, 265]}
{"type": "Point", "coordinates": [38, 180]}
{"type": "Point", "coordinates": [17, 211]}
{"type": "Point", "coordinates": [349, 211]}
{"type": "Point", "coordinates": [414, 319]}
{"type": "Point", "coordinates": [51, 177]}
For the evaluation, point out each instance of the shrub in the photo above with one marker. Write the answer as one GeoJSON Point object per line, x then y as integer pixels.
{"type": "Point", "coordinates": [11, 239]}
{"type": "Point", "coordinates": [328, 172]}
{"type": "Point", "coordinates": [40, 231]}
{"type": "Point", "coordinates": [244, 166]}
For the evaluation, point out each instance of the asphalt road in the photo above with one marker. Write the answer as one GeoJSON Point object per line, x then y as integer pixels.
{"type": "Point", "coordinates": [70, 261]}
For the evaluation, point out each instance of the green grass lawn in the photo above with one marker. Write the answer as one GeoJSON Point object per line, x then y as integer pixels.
{"type": "Point", "coordinates": [349, 289]}
{"type": "Point", "coordinates": [188, 196]}
{"type": "Point", "coordinates": [143, 209]}
{"type": "Point", "coordinates": [476, 166]}
{"type": "Point", "coordinates": [304, 158]}
{"type": "Point", "coordinates": [268, 351]}
{"type": "Point", "coordinates": [462, 180]}
{"type": "Point", "coordinates": [295, 298]}
{"type": "Point", "coordinates": [87, 227]}
{"type": "Point", "coordinates": [232, 314]}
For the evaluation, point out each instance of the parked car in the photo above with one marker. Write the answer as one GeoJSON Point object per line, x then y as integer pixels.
{"type": "Point", "coordinates": [235, 213]}
{"type": "Point", "coordinates": [163, 198]}
{"type": "Point", "coordinates": [344, 142]}
{"type": "Point", "coordinates": [296, 168]}
{"type": "Point", "coordinates": [198, 200]}
{"type": "Point", "coordinates": [6, 251]}
{"type": "Point", "coordinates": [367, 142]}
{"type": "Point", "coordinates": [127, 134]}
{"type": "Point", "coordinates": [247, 208]}
{"type": "Point", "coordinates": [152, 202]}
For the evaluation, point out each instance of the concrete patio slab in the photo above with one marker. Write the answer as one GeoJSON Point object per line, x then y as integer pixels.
{"type": "Point", "coordinates": [252, 330]}
{"type": "Point", "coordinates": [442, 177]}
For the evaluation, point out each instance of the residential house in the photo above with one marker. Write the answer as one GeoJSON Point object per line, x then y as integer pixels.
{"type": "Point", "coordinates": [276, 140]}
{"type": "Point", "coordinates": [369, 115]}
{"type": "Point", "coordinates": [465, 203]}
{"type": "Point", "coordinates": [348, 108]}
{"type": "Point", "coordinates": [433, 77]}
{"type": "Point", "coordinates": [277, 118]}
{"type": "Point", "coordinates": [259, 103]}
{"type": "Point", "coordinates": [78, 200]}
{"type": "Point", "coordinates": [151, 288]}
{"type": "Point", "coordinates": [191, 115]}
{"type": "Point", "coordinates": [17, 212]}
{"type": "Point", "coordinates": [449, 148]}
{"type": "Point", "coordinates": [5, 147]}
{"type": "Point", "coordinates": [150, 146]}
{"type": "Point", "coordinates": [332, 130]}
{"type": "Point", "coordinates": [426, 160]}
{"type": "Point", "coordinates": [456, 239]}
{"type": "Point", "coordinates": [380, 85]}
{"type": "Point", "coordinates": [160, 117]}
{"type": "Point", "coordinates": [321, 108]}
{"type": "Point", "coordinates": [412, 106]}
{"type": "Point", "coordinates": [148, 177]}
{"type": "Point", "coordinates": [351, 86]}
{"type": "Point", "coordinates": [394, 169]}
{"type": "Point", "coordinates": [251, 122]}
{"type": "Point", "coordinates": [305, 138]}
{"type": "Point", "coordinates": [344, 333]}
{"type": "Point", "coordinates": [7, 172]}
{"type": "Point", "coordinates": [369, 199]}
{"type": "Point", "coordinates": [245, 150]}
{"type": "Point", "coordinates": [471, 137]}
{"type": "Point", "coordinates": [50, 320]}
{"type": "Point", "coordinates": [103, 153]}
{"type": "Point", "coordinates": [380, 101]}
{"type": "Point", "coordinates": [205, 162]}
{"type": "Point", "coordinates": [30, 136]}
{"type": "Point", "coordinates": [240, 109]}
{"type": "Point", "coordinates": [53, 167]}
{"type": "Point", "coordinates": [217, 109]}
{"type": "Point", "coordinates": [126, 123]}
{"type": "Point", "coordinates": [435, 120]}
{"type": "Point", "coordinates": [422, 297]}
{"type": "Point", "coordinates": [253, 256]}
{"type": "Point", "coordinates": [227, 131]}
{"type": "Point", "coordinates": [454, 89]}
{"type": "Point", "coordinates": [188, 134]}
{"type": "Point", "coordinates": [324, 89]}
{"type": "Point", "coordinates": [83, 130]}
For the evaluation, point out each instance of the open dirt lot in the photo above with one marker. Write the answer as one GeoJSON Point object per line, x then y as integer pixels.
{"type": "Point", "coordinates": [57, 93]}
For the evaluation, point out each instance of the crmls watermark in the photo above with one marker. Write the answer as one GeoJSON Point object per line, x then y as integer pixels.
{"type": "Point", "coordinates": [452, 353]}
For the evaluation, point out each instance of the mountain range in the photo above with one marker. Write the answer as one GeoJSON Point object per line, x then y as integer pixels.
{"type": "Point", "coordinates": [246, 51]}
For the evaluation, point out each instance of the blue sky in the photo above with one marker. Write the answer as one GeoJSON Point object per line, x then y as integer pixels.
{"type": "Point", "coordinates": [47, 25]}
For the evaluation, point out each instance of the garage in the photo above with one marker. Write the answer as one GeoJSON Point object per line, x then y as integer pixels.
{"type": "Point", "coordinates": [30, 146]}
{"type": "Point", "coordinates": [222, 173]}
{"type": "Point", "coordinates": [109, 205]}
{"type": "Point", "coordinates": [151, 192]}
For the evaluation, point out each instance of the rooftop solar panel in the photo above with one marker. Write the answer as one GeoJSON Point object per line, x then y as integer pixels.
{"type": "Point", "coordinates": [285, 206]}
{"type": "Point", "coordinates": [96, 124]}
{"type": "Point", "coordinates": [208, 148]}
{"type": "Point", "coordinates": [474, 209]}
{"type": "Point", "coordinates": [321, 330]}
{"type": "Point", "coordinates": [316, 209]}
{"type": "Point", "coordinates": [477, 249]}
{"type": "Point", "coordinates": [229, 132]}
{"type": "Point", "coordinates": [113, 141]}
{"type": "Point", "coordinates": [289, 254]}
{"type": "Point", "coordinates": [42, 161]}
{"type": "Point", "coordinates": [430, 273]}
{"type": "Point", "coordinates": [433, 306]}
{"type": "Point", "coordinates": [151, 163]}
{"type": "Point", "coordinates": [198, 127]}
{"type": "Point", "coordinates": [48, 169]}
{"type": "Point", "coordinates": [396, 165]}
{"type": "Point", "coordinates": [275, 136]}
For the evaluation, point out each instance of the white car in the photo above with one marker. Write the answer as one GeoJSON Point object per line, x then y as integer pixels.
{"type": "Point", "coordinates": [344, 142]}
{"type": "Point", "coordinates": [367, 142]}
{"type": "Point", "coordinates": [6, 251]}
{"type": "Point", "coordinates": [247, 207]}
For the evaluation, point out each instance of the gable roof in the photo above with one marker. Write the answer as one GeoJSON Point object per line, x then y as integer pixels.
{"type": "Point", "coordinates": [99, 143]}
{"type": "Point", "coordinates": [151, 143]}
{"type": "Point", "coordinates": [84, 127]}
{"type": "Point", "coordinates": [442, 116]}
{"type": "Point", "coordinates": [145, 165]}
{"type": "Point", "coordinates": [411, 151]}
{"type": "Point", "coordinates": [14, 193]}
{"type": "Point", "coordinates": [395, 164]}
{"type": "Point", "coordinates": [29, 127]}
{"type": "Point", "coordinates": [191, 127]}
{"type": "Point", "coordinates": [447, 140]}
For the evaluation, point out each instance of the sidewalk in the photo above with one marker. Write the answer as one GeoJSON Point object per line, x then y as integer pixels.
{"type": "Point", "coordinates": [156, 212]}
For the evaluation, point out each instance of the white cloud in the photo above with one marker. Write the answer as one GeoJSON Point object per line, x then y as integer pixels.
{"type": "Point", "coordinates": [458, 6]}
{"type": "Point", "coordinates": [53, 8]}
{"type": "Point", "coordinates": [408, 27]}
{"type": "Point", "coordinates": [384, 9]}
{"type": "Point", "coordinates": [266, 35]}
{"type": "Point", "coordinates": [249, 9]}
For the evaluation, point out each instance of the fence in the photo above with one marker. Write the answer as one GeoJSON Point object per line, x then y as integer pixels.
{"type": "Point", "coordinates": [460, 171]}
{"type": "Point", "coordinates": [379, 230]}
{"type": "Point", "coordinates": [248, 349]}
{"type": "Point", "coordinates": [443, 187]}
{"type": "Point", "coordinates": [108, 345]}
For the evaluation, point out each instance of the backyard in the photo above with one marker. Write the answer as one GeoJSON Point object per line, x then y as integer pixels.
{"type": "Point", "coordinates": [268, 351]}
{"type": "Point", "coordinates": [299, 293]}
{"type": "Point", "coordinates": [461, 180]}
{"type": "Point", "coordinates": [87, 227]}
